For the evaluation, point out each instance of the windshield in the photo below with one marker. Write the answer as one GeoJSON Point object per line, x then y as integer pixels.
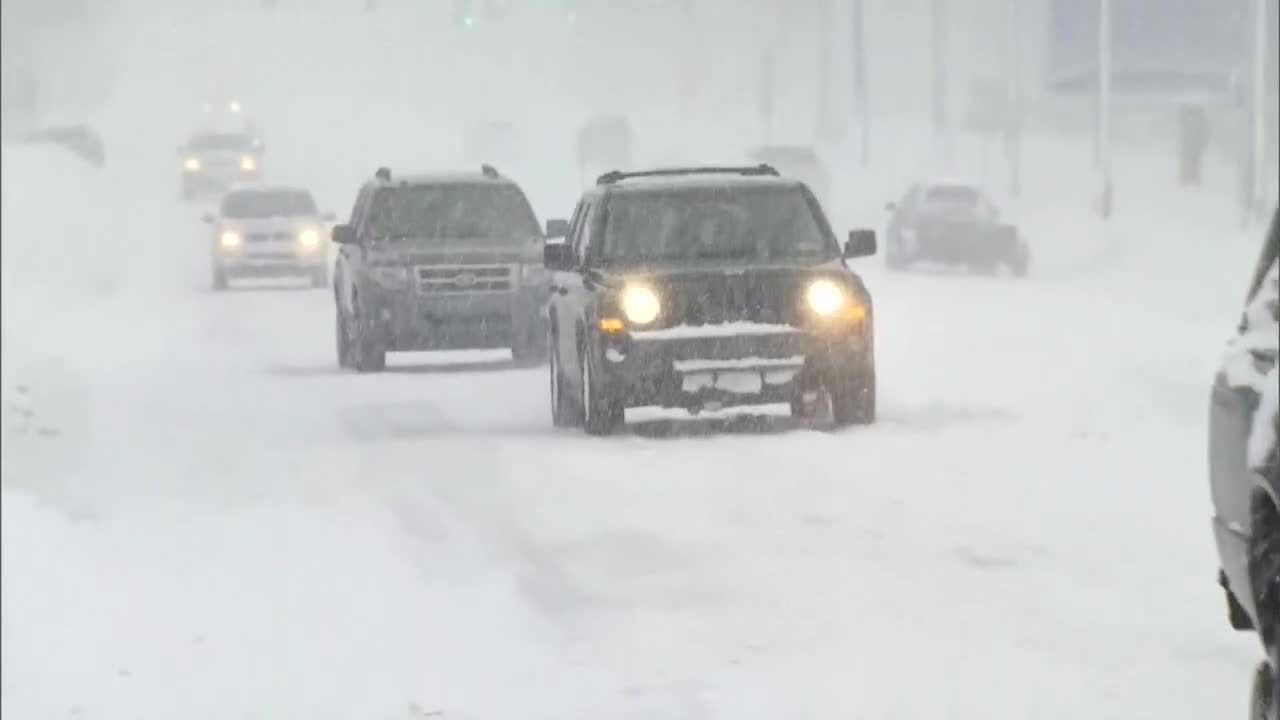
{"type": "Point", "coordinates": [479, 210]}
{"type": "Point", "coordinates": [953, 195]}
{"type": "Point", "coordinates": [714, 223]}
{"type": "Point", "coordinates": [275, 203]}
{"type": "Point", "coordinates": [220, 141]}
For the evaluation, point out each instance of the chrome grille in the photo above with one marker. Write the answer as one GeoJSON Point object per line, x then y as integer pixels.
{"type": "Point", "coordinates": [268, 237]}
{"type": "Point", "coordinates": [459, 279]}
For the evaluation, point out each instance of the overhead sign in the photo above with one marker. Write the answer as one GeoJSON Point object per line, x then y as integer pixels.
{"type": "Point", "coordinates": [1160, 49]}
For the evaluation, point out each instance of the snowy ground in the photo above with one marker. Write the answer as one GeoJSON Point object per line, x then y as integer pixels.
{"type": "Point", "coordinates": [203, 518]}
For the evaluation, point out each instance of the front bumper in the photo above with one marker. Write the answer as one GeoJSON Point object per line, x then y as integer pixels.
{"type": "Point", "coordinates": [273, 264]}
{"type": "Point", "coordinates": [763, 365]}
{"type": "Point", "coordinates": [408, 320]}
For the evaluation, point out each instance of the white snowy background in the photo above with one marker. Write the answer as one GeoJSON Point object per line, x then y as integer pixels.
{"type": "Point", "coordinates": [204, 518]}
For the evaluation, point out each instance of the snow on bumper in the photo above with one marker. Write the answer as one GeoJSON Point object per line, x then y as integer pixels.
{"type": "Point", "coordinates": [726, 364]}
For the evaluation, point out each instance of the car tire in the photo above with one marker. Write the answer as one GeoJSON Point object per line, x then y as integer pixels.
{"type": "Point", "coordinates": [219, 280]}
{"type": "Point", "coordinates": [320, 278]}
{"type": "Point", "coordinates": [601, 414]}
{"type": "Point", "coordinates": [1020, 264]}
{"type": "Point", "coordinates": [564, 413]}
{"type": "Point", "coordinates": [342, 338]}
{"type": "Point", "coordinates": [853, 402]}
{"type": "Point", "coordinates": [367, 355]}
{"type": "Point", "coordinates": [1262, 702]}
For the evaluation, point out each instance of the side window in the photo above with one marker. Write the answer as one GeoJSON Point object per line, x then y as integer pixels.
{"type": "Point", "coordinates": [1267, 258]}
{"type": "Point", "coordinates": [582, 241]}
{"type": "Point", "coordinates": [574, 221]}
{"type": "Point", "coordinates": [357, 210]}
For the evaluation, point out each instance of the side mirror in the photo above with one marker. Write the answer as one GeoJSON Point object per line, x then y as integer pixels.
{"type": "Point", "coordinates": [207, 218]}
{"type": "Point", "coordinates": [557, 256]}
{"type": "Point", "coordinates": [557, 228]}
{"type": "Point", "coordinates": [861, 244]}
{"type": "Point", "coordinates": [343, 234]}
{"type": "Point", "coordinates": [329, 217]}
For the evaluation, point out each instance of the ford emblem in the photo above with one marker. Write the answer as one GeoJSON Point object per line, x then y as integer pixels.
{"type": "Point", "coordinates": [465, 280]}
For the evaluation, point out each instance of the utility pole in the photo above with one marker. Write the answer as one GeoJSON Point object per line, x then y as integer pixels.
{"type": "Point", "coordinates": [860, 99]}
{"type": "Point", "coordinates": [1104, 105]}
{"type": "Point", "coordinates": [938, 37]}
{"type": "Point", "coordinates": [1013, 104]}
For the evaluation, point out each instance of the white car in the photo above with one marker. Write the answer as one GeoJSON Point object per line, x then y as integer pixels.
{"type": "Point", "coordinates": [269, 231]}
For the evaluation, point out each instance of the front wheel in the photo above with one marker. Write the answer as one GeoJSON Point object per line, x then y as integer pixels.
{"type": "Point", "coordinates": [1263, 702]}
{"type": "Point", "coordinates": [342, 335]}
{"type": "Point", "coordinates": [367, 354]}
{"type": "Point", "coordinates": [319, 278]}
{"type": "Point", "coordinates": [1021, 264]}
{"type": "Point", "coordinates": [601, 414]}
{"type": "Point", "coordinates": [219, 279]}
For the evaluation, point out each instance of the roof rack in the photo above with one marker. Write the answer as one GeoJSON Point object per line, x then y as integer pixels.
{"type": "Point", "coordinates": [763, 169]}
{"type": "Point", "coordinates": [383, 174]}
{"type": "Point", "coordinates": [490, 172]}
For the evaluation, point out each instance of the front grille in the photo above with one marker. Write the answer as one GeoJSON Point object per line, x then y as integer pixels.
{"type": "Point", "coordinates": [272, 256]}
{"type": "Point", "coordinates": [726, 299]}
{"type": "Point", "coordinates": [456, 279]}
{"type": "Point", "coordinates": [268, 237]}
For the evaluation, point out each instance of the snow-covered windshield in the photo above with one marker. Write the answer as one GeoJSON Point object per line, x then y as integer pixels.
{"type": "Point", "coordinates": [269, 203]}
{"type": "Point", "coordinates": [220, 141]}
{"type": "Point", "coordinates": [475, 211]}
{"type": "Point", "coordinates": [713, 223]}
{"type": "Point", "coordinates": [956, 195]}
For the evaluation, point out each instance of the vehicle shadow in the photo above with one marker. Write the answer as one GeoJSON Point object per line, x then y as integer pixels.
{"type": "Point", "coordinates": [479, 366]}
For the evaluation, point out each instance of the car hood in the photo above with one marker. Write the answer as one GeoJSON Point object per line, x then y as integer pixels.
{"type": "Point", "coordinates": [453, 251]}
{"type": "Point", "coordinates": [274, 225]}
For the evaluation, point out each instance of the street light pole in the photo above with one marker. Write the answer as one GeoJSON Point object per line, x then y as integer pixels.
{"type": "Point", "coordinates": [1104, 104]}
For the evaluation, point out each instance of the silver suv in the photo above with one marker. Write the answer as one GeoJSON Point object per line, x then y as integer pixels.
{"type": "Point", "coordinates": [269, 232]}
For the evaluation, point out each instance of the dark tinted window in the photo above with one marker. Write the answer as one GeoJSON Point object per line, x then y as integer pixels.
{"type": "Point", "coordinates": [220, 141]}
{"type": "Point", "coordinates": [471, 211]}
{"type": "Point", "coordinates": [267, 203]}
{"type": "Point", "coordinates": [954, 195]}
{"type": "Point", "coordinates": [713, 223]}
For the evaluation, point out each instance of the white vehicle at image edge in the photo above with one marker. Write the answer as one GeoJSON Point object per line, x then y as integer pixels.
{"type": "Point", "coordinates": [269, 231]}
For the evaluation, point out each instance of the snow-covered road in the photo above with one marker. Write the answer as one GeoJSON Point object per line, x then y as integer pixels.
{"type": "Point", "coordinates": [204, 518]}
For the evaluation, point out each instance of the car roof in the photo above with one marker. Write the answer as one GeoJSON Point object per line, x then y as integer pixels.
{"type": "Point", "coordinates": [443, 178]}
{"type": "Point", "coordinates": [951, 182]}
{"type": "Point", "coordinates": [255, 188]}
{"type": "Point", "coordinates": [641, 185]}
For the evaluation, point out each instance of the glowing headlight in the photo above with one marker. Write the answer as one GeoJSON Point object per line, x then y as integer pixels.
{"type": "Point", "coordinates": [826, 298]}
{"type": "Point", "coordinates": [248, 163]}
{"type": "Point", "coordinates": [234, 106]}
{"type": "Point", "coordinates": [230, 239]}
{"type": "Point", "coordinates": [309, 238]}
{"type": "Point", "coordinates": [192, 164]}
{"type": "Point", "coordinates": [640, 304]}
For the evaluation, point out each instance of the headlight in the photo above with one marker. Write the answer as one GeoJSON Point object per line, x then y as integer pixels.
{"type": "Point", "coordinates": [192, 164]}
{"type": "Point", "coordinates": [234, 106]}
{"type": "Point", "coordinates": [248, 163]}
{"type": "Point", "coordinates": [309, 238]}
{"type": "Point", "coordinates": [391, 278]}
{"type": "Point", "coordinates": [826, 298]}
{"type": "Point", "coordinates": [640, 304]}
{"type": "Point", "coordinates": [230, 239]}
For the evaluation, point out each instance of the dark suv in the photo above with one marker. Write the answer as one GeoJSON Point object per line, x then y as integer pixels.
{"type": "Point", "coordinates": [439, 262]}
{"type": "Point", "coordinates": [705, 288]}
{"type": "Point", "coordinates": [1244, 470]}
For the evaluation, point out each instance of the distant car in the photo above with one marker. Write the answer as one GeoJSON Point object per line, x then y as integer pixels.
{"type": "Point", "coordinates": [269, 232]}
{"type": "Point", "coordinates": [704, 288]}
{"type": "Point", "coordinates": [441, 261]}
{"type": "Point", "coordinates": [1244, 470]}
{"type": "Point", "coordinates": [211, 162]}
{"type": "Point", "coordinates": [953, 224]}
{"type": "Point", "coordinates": [800, 162]}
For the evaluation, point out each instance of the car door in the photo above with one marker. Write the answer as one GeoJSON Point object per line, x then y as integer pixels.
{"type": "Point", "coordinates": [351, 255]}
{"type": "Point", "coordinates": [558, 308]}
{"type": "Point", "coordinates": [1250, 355]}
{"type": "Point", "coordinates": [576, 293]}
